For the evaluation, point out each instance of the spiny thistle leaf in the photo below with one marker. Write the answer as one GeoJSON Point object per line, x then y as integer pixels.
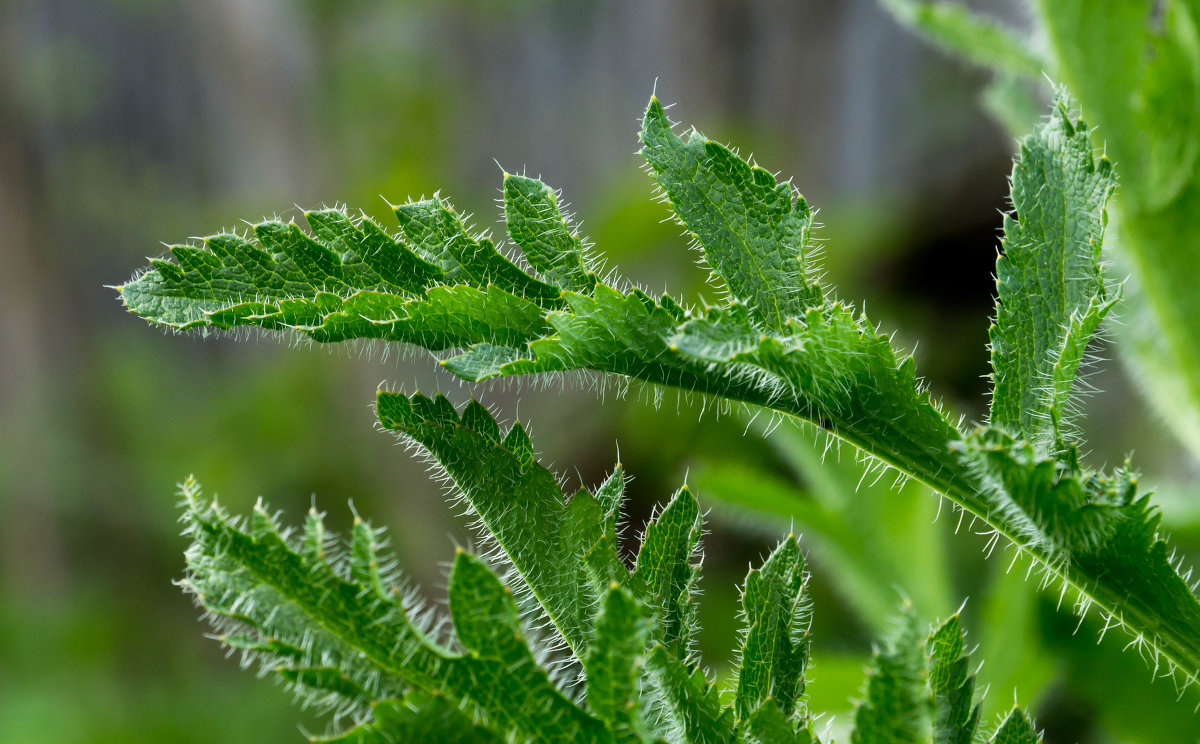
{"type": "Point", "coordinates": [519, 695]}
{"type": "Point", "coordinates": [417, 717]}
{"type": "Point", "coordinates": [616, 656]}
{"type": "Point", "coordinates": [754, 231]}
{"type": "Point", "coordinates": [1051, 287]}
{"type": "Point", "coordinates": [688, 701]}
{"type": "Point", "coordinates": [896, 707]}
{"type": "Point", "coordinates": [537, 225]}
{"type": "Point", "coordinates": [338, 636]}
{"type": "Point", "coordinates": [779, 343]}
{"type": "Point", "coordinates": [520, 504]}
{"type": "Point", "coordinates": [775, 650]}
{"type": "Point", "coordinates": [666, 573]}
{"type": "Point", "coordinates": [955, 712]}
{"type": "Point", "coordinates": [334, 623]}
{"type": "Point", "coordinates": [1016, 729]}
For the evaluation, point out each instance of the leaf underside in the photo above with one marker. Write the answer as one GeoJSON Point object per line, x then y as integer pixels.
{"type": "Point", "coordinates": [779, 340]}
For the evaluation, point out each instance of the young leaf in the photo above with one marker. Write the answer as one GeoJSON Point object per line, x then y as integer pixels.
{"type": "Point", "coordinates": [616, 656]}
{"type": "Point", "coordinates": [688, 701]}
{"type": "Point", "coordinates": [754, 232]}
{"type": "Point", "coordinates": [896, 707]}
{"type": "Point", "coordinates": [1052, 293]}
{"type": "Point", "coordinates": [513, 692]}
{"type": "Point", "coordinates": [1135, 66]}
{"type": "Point", "coordinates": [955, 712]}
{"type": "Point", "coordinates": [557, 548]}
{"type": "Point", "coordinates": [537, 225]}
{"type": "Point", "coordinates": [775, 648]}
{"type": "Point", "coordinates": [666, 573]}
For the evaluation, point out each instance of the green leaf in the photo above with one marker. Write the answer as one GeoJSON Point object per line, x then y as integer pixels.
{"type": "Point", "coordinates": [616, 656]}
{"type": "Point", "coordinates": [1016, 729]}
{"type": "Point", "coordinates": [537, 225]}
{"type": "Point", "coordinates": [1135, 66]}
{"type": "Point", "coordinates": [340, 643]}
{"type": "Point", "coordinates": [548, 541]}
{"type": "Point", "coordinates": [774, 652]}
{"type": "Point", "coordinates": [1050, 282]}
{"type": "Point", "coordinates": [688, 701]}
{"type": "Point", "coordinates": [754, 232]}
{"type": "Point", "coordinates": [416, 717]}
{"type": "Point", "coordinates": [513, 692]}
{"type": "Point", "coordinates": [955, 713]}
{"type": "Point", "coordinates": [667, 572]}
{"type": "Point", "coordinates": [895, 709]}
{"type": "Point", "coordinates": [981, 41]}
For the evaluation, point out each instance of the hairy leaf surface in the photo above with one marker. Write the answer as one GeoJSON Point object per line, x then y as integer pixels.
{"type": "Point", "coordinates": [1051, 287]}
{"type": "Point", "coordinates": [345, 634]}
{"type": "Point", "coordinates": [779, 342]}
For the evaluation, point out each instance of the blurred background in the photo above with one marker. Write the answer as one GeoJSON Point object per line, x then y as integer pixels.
{"type": "Point", "coordinates": [128, 123]}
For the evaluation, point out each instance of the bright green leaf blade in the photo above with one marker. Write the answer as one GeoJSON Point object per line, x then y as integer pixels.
{"type": "Point", "coordinates": [774, 651]}
{"type": "Point", "coordinates": [982, 41]}
{"type": "Point", "coordinates": [769, 725]}
{"type": "Point", "coordinates": [753, 230]}
{"type": "Point", "coordinates": [616, 656]}
{"type": "Point", "coordinates": [514, 693]}
{"type": "Point", "coordinates": [417, 717]}
{"type": "Point", "coordinates": [952, 681]}
{"type": "Point", "coordinates": [688, 701]}
{"type": "Point", "coordinates": [667, 573]}
{"type": "Point", "coordinates": [338, 640]}
{"type": "Point", "coordinates": [896, 707]}
{"type": "Point", "coordinates": [535, 222]}
{"type": "Point", "coordinates": [549, 541]}
{"type": "Point", "coordinates": [1052, 293]}
{"type": "Point", "coordinates": [1016, 729]}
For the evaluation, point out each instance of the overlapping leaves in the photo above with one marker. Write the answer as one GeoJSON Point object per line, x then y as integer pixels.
{"type": "Point", "coordinates": [347, 635]}
{"type": "Point", "coordinates": [778, 341]}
